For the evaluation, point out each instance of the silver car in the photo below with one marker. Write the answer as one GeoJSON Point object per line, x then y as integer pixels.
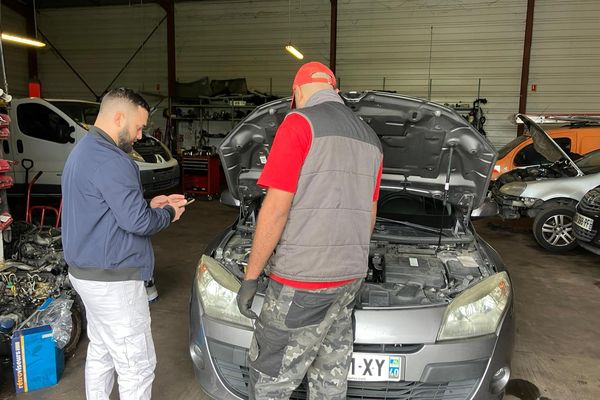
{"type": "Point", "coordinates": [434, 319]}
{"type": "Point", "coordinates": [548, 192]}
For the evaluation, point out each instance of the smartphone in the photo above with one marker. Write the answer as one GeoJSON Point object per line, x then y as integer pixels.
{"type": "Point", "coordinates": [189, 201]}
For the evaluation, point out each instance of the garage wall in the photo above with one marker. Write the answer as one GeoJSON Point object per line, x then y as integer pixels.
{"type": "Point", "coordinates": [472, 39]}
{"type": "Point", "coordinates": [386, 39]}
{"type": "Point", "coordinates": [98, 41]}
{"type": "Point", "coordinates": [237, 39]}
{"type": "Point", "coordinates": [565, 57]}
{"type": "Point", "coordinates": [15, 57]}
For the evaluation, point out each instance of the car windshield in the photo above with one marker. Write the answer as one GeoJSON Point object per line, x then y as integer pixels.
{"type": "Point", "coordinates": [511, 145]}
{"type": "Point", "coordinates": [590, 163]}
{"type": "Point", "coordinates": [84, 113]}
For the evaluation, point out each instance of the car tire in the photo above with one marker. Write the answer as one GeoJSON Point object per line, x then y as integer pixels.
{"type": "Point", "coordinates": [77, 323]}
{"type": "Point", "coordinates": [553, 227]}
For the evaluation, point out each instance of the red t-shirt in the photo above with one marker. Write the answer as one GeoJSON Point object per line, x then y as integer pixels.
{"type": "Point", "coordinates": [282, 170]}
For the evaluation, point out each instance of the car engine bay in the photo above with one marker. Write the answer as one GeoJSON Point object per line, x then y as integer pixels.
{"type": "Point", "coordinates": [558, 169]}
{"type": "Point", "coordinates": [413, 272]}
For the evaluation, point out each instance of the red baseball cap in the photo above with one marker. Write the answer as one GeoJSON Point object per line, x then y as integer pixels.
{"type": "Point", "coordinates": [305, 75]}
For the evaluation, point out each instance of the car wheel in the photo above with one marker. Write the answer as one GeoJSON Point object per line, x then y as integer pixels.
{"type": "Point", "coordinates": [553, 228]}
{"type": "Point", "coordinates": [77, 323]}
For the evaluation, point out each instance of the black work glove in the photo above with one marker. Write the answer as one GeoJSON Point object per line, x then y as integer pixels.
{"type": "Point", "coordinates": [245, 296]}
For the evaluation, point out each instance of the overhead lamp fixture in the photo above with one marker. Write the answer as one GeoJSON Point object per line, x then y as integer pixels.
{"type": "Point", "coordinates": [294, 51]}
{"type": "Point", "coordinates": [22, 40]}
{"type": "Point", "coordinates": [289, 47]}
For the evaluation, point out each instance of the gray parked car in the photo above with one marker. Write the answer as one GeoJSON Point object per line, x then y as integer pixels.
{"type": "Point", "coordinates": [586, 222]}
{"type": "Point", "coordinates": [548, 192]}
{"type": "Point", "coordinates": [434, 319]}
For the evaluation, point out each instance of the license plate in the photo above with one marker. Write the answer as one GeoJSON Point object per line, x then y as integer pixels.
{"type": "Point", "coordinates": [374, 367]}
{"type": "Point", "coordinates": [583, 222]}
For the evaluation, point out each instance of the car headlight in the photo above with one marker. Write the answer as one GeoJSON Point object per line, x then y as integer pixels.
{"type": "Point", "coordinates": [514, 188]}
{"type": "Point", "coordinates": [529, 201]}
{"type": "Point", "coordinates": [217, 289]}
{"type": "Point", "coordinates": [136, 156]}
{"type": "Point", "coordinates": [477, 311]}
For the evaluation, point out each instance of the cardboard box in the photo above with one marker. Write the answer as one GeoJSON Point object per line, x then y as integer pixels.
{"type": "Point", "coordinates": [37, 362]}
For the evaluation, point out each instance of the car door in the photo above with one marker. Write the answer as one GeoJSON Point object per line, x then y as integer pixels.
{"type": "Point", "coordinates": [45, 136]}
{"type": "Point", "coordinates": [588, 139]}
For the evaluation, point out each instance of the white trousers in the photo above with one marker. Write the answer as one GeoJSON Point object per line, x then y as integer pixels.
{"type": "Point", "coordinates": [118, 327]}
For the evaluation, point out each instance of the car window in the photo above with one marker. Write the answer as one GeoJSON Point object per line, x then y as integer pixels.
{"type": "Point", "coordinates": [528, 155]}
{"type": "Point", "coordinates": [38, 121]}
{"type": "Point", "coordinates": [590, 163]}
{"type": "Point", "coordinates": [80, 112]}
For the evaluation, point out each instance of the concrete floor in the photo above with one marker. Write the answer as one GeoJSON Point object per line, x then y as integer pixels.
{"type": "Point", "coordinates": [557, 353]}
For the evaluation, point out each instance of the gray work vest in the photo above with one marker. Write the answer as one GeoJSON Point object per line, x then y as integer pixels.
{"type": "Point", "coordinates": [326, 237]}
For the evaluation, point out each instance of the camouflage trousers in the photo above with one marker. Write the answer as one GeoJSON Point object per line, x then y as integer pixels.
{"type": "Point", "coordinates": [303, 333]}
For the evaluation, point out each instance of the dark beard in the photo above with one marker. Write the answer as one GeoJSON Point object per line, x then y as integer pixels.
{"type": "Point", "coordinates": [124, 143]}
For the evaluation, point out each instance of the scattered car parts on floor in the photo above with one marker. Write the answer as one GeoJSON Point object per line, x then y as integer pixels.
{"type": "Point", "coordinates": [34, 270]}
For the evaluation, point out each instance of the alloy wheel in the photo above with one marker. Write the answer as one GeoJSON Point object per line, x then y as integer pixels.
{"type": "Point", "coordinates": [558, 230]}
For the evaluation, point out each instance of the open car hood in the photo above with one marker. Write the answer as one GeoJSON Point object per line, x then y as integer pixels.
{"type": "Point", "coordinates": [544, 144]}
{"type": "Point", "coordinates": [417, 136]}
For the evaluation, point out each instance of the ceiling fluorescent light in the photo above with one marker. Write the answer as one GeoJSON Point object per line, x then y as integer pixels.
{"type": "Point", "coordinates": [21, 40]}
{"type": "Point", "coordinates": [294, 52]}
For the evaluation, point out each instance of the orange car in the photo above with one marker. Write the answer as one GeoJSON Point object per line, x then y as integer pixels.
{"type": "Point", "coordinates": [519, 152]}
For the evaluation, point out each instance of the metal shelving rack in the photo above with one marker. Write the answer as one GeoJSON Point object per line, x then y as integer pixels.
{"type": "Point", "coordinates": [5, 100]}
{"type": "Point", "coordinates": [204, 110]}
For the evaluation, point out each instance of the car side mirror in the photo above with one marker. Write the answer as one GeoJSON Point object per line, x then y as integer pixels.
{"type": "Point", "coordinates": [228, 199]}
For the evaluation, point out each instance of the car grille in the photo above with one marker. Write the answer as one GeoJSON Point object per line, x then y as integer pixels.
{"type": "Point", "coordinates": [583, 234]}
{"type": "Point", "coordinates": [387, 348]}
{"type": "Point", "coordinates": [148, 148]}
{"type": "Point", "coordinates": [236, 378]}
{"type": "Point", "coordinates": [591, 201]}
{"type": "Point", "coordinates": [160, 185]}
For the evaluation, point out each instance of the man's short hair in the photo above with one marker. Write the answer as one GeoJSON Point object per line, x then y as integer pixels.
{"type": "Point", "coordinates": [127, 95]}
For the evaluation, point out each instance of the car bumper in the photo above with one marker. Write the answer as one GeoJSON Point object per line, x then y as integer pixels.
{"type": "Point", "coordinates": [160, 179]}
{"type": "Point", "coordinates": [589, 239]}
{"type": "Point", "coordinates": [452, 370]}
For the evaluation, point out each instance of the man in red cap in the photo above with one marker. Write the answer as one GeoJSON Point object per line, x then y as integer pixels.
{"type": "Point", "coordinates": [322, 178]}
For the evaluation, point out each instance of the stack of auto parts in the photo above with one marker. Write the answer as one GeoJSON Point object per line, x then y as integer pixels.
{"type": "Point", "coordinates": [34, 270]}
{"type": "Point", "coordinates": [6, 180]}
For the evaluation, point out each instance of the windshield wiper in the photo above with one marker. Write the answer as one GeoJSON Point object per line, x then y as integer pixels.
{"type": "Point", "coordinates": [411, 225]}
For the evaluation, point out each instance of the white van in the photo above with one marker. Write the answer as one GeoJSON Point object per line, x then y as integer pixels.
{"type": "Point", "coordinates": [45, 131]}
